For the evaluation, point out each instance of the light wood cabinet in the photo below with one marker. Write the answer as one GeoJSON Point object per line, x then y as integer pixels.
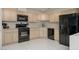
{"type": "Point", "coordinates": [9, 14]}
{"type": "Point", "coordinates": [43, 32]}
{"type": "Point", "coordinates": [33, 17]}
{"type": "Point", "coordinates": [15, 36]}
{"type": "Point", "coordinates": [38, 33]}
{"type": "Point", "coordinates": [34, 33]}
{"type": "Point", "coordinates": [38, 17]}
{"type": "Point", "coordinates": [44, 17]}
{"type": "Point", "coordinates": [9, 37]}
{"type": "Point", "coordinates": [56, 34]}
{"type": "Point", "coordinates": [54, 17]}
{"type": "Point", "coordinates": [22, 11]}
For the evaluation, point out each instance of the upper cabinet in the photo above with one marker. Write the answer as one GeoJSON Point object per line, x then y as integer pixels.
{"type": "Point", "coordinates": [22, 11]}
{"type": "Point", "coordinates": [37, 17]}
{"type": "Point", "coordinates": [54, 17]}
{"type": "Point", "coordinates": [9, 14]}
{"type": "Point", "coordinates": [44, 17]}
{"type": "Point", "coordinates": [33, 17]}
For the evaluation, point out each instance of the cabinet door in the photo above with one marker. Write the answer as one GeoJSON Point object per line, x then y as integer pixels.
{"type": "Point", "coordinates": [54, 17]}
{"type": "Point", "coordinates": [20, 12]}
{"type": "Point", "coordinates": [15, 36]}
{"type": "Point", "coordinates": [33, 17]}
{"type": "Point", "coordinates": [9, 14]}
{"type": "Point", "coordinates": [30, 17]}
{"type": "Point", "coordinates": [8, 38]}
{"type": "Point", "coordinates": [13, 16]}
{"type": "Point", "coordinates": [45, 32]}
{"type": "Point", "coordinates": [37, 34]}
{"type": "Point", "coordinates": [34, 34]}
{"type": "Point", "coordinates": [41, 32]}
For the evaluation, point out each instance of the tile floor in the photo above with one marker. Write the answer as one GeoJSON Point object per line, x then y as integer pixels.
{"type": "Point", "coordinates": [36, 44]}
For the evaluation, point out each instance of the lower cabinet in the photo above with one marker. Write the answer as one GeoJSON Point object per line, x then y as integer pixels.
{"type": "Point", "coordinates": [34, 33]}
{"type": "Point", "coordinates": [15, 36]}
{"type": "Point", "coordinates": [9, 37]}
{"type": "Point", "coordinates": [43, 32]}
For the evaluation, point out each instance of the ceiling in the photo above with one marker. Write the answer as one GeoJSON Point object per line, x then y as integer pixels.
{"type": "Point", "coordinates": [47, 9]}
{"type": "Point", "coordinates": [44, 10]}
{"type": "Point", "coordinates": [40, 9]}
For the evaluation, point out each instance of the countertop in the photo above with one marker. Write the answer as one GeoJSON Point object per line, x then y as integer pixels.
{"type": "Point", "coordinates": [74, 42]}
{"type": "Point", "coordinates": [10, 29]}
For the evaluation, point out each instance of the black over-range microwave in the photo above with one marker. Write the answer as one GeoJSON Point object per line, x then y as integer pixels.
{"type": "Point", "coordinates": [22, 18]}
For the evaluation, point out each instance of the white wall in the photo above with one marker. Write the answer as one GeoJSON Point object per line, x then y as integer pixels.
{"type": "Point", "coordinates": [0, 28]}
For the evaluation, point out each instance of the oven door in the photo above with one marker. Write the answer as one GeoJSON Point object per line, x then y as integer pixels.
{"type": "Point", "coordinates": [23, 34]}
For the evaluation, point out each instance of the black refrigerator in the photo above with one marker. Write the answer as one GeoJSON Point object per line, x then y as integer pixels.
{"type": "Point", "coordinates": [68, 25]}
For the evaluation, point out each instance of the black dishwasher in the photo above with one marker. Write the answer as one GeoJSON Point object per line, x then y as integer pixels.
{"type": "Point", "coordinates": [51, 33]}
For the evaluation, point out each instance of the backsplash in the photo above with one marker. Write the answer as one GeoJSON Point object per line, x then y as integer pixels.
{"type": "Point", "coordinates": [46, 25]}
{"type": "Point", "coordinates": [11, 24]}
{"type": "Point", "coordinates": [36, 25]}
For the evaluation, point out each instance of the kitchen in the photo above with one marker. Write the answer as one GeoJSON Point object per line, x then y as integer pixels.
{"type": "Point", "coordinates": [41, 23]}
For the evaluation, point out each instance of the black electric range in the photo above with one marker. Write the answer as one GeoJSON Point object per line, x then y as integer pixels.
{"type": "Point", "coordinates": [23, 34]}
